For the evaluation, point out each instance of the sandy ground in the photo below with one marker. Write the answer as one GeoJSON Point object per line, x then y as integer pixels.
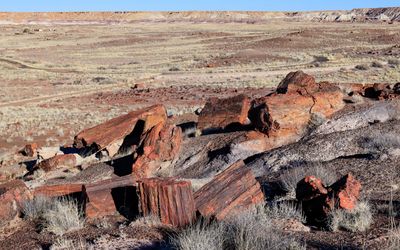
{"type": "Point", "coordinates": [55, 78]}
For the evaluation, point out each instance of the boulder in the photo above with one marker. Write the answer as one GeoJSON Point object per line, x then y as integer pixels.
{"type": "Point", "coordinates": [30, 149]}
{"type": "Point", "coordinates": [12, 196]}
{"type": "Point", "coordinates": [59, 161]}
{"type": "Point", "coordinates": [58, 190]}
{"type": "Point", "coordinates": [110, 196]}
{"type": "Point", "coordinates": [285, 118]}
{"type": "Point", "coordinates": [318, 201]}
{"type": "Point", "coordinates": [121, 131]}
{"type": "Point", "coordinates": [232, 191]}
{"type": "Point", "coordinates": [160, 146]}
{"type": "Point", "coordinates": [169, 199]}
{"type": "Point", "coordinates": [297, 81]}
{"type": "Point", "coordinates": [346, 192]}
{"type": "Point", "coordinates": [220, 113]}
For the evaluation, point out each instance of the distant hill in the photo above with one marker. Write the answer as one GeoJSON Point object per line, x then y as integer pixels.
{"type": "Point", "coordinates": [356, 15]}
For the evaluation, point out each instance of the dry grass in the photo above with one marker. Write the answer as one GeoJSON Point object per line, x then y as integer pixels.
{"type": "Point", "coordinates": [290, 178]}
{"type": "Point", "coordinates": [357, 220]}
{"type": "Point", "coordinates": [63, 216]}
{"type": "Point", "coordinates": [66, 244]}
{"type": "Point", "coordinates": [34, 209]}
{"type": "Point", "coordinates": [249, 230]}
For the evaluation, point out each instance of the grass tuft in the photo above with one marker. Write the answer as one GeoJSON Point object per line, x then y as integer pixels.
{"type": "Point", "coordinates": [357, 220]}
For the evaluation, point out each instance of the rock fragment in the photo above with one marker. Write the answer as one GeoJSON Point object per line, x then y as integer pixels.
{"type": "Point", "coordinates": [233, 190]}
{"type": "Point", "coordinates": [12, 195]}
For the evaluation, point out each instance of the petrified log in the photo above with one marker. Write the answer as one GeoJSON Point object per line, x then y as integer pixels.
{"type": "Point", "coordinates": [12, 195]}
{"type": "Point", "coordinates": [58, 189]}
{"type": "Point", "coordinates": [110, 135]}
{"type": "Point", "coordinates": [160, 145]}
{"type": "Point", "coordinates": [286, 115]}
{"type": "Point", "coordinates": [169, 199]}
{"type": "Point", "coordinates": [232, 191]}
{"type": "Point", "coordinates": [110, 196]}
{"type": "Point", "coordinates": [219, 113]}
{"type": "Point", "coordinates": [59, 161]}
{"type": "Point", "coordinates": [30, 149]}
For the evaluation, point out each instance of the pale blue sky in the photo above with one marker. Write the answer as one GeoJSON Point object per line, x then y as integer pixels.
{"type": "Point", "coordinates": [174, 5]}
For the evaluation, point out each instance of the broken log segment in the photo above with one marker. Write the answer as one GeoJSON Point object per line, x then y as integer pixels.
{"type": "Point", "coordinates": [58, 189]}
{"type": "Point", "coordinates": [233, 190]}
{"type": "Point", "coordinates": [220, 113]}
{"type": "Point", "coordinates": [167, 198]}
{"type": "Point", "coordinates": [110, 196]}
{"type": "Point", "coordinates": [111, 134]}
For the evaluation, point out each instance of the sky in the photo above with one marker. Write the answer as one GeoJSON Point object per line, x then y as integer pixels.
{"type": "Point", "coordinates": [180, 5]}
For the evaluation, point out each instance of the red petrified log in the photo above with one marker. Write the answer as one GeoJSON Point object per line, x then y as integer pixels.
{"type": "Point", "coordinates": [160, 145]}
{"type": "Point", "coordinates": [169, 199]}
{"type": "Point", "coordinates": [58, 161]}
{"type": "Point", "coordinates": [98, 197]}
{"type": "Point", "coordinates": [233, 190]}
{"type": "Point", "coordinates": [58, 190]}
{"type": "Point", "coordinates": [12, 195]}
{"type": "Point", "coordinates": [110, 135]}
{"type": "Point", "coordinates": [219, 113]}
{"type": "Point", "coordinates": [30, 149]}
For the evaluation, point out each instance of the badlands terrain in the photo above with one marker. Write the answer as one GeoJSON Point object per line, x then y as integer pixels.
{"type": "Point", "coordinates": [261, 130]}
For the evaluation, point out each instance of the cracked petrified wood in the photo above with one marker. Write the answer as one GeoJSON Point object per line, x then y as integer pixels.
{"type": "Point", "coordinates": [58, 189]}
{"type": "Point", "coordinates": [169, 199]}
{"type": "Point", "coordinates": [112, 134]}
{"type": "Point", "coordinates": [109, 197]}
{"type": "Point", "coordinates": [12, 196]}
{"type": "Point", "coordinates": [233, 190]}
{"type": "Point", "coordinates": [220, 113]}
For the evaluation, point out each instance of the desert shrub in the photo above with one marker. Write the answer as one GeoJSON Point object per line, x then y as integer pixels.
{"type": "Point", "coordinates": [63, 216]}
{"type": "Point", "coordinates": [151, 220]}
{"type": "Point", "coordinates": [376, 65]}
{"type": "Point", "coordinates": [174, 69]}
{"type": "Point", "coordinates": [285, 210]}
{"type": "Point", "coordinates": [66, 244]}
{"type": "Point", "coordinates": [200, 236]}
{"type": "Point", "coordinates": [321, 59]}
{"type": "Point", "coordinates": [394, 239]}
{"type": "Point", "coordinates": [362, 67]}
{"type": "Point", "coordinates": [35, 208]}
{"type": "Point", "coordinates": [357, 220]}
{"type": "Point", "coordinates": [254, 229]}
{"type": "Point", "coordinates": [291, 177]}
{"type": "Point", "coordinates": [394, 62]}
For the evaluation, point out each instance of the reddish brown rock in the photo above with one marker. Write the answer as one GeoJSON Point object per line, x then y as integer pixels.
{"type": "Point", "coordinates": [110, 135]}
{"type": "Point", "coordinates": [233, 190]}
{"type": "Point", "coordinates": [12, 196]}
{"type": "Point", "coordinates": [58, 161]}
{"type": "Point", "coordinates": [30, 149]}
{"type": "Point", "coordinates": [286, 117]}
{"type": "Point", "coordinates": [220, 113]}
{"type": "Point", "coordinates": [318, 202]}
{"type": "Point", "coordinates": [169, 199]}
{"type": "Point", "coordinates": [110, 196]}
{"type": "Point", "coordinates": [346, 192]}
{"type": "Point", "coordinates": [160, 145]}
{"type": "Point", "coordinates": [58, 190]}
{"type": "Point", "coordinates": [297, 81]}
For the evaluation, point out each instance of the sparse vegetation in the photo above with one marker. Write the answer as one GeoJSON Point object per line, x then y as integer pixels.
{"type": "Point", "coordinates": [250, 230]}
{"type": "Point", "coordinates": [290, 179]}
{"type": "Point", "coordinates": [357, 220]}
{"type": "Point", "coordinates": [63, 216]}
{"type": "Point", "coordinates": [34, 209]}
{"type": "Point", "coordinates": [362, 67]}
{"type": "Point", "coordinates": [376, 64]}
{"type": "Point", "coordinates": [66, 244]}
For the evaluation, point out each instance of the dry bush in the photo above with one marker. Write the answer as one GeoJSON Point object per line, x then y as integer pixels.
{"type": "Point", "coordinates": [290, 178]}
{"type": "Point", "coordinates": [394, 62]}
{"type": "Point", "coordinates": [151, 220]}
{"type": "Point", "coordinates": [250, 230]}
{"type": "Point", "coordinates": [394, 240]}
{"type": "Point", "coordinates": [200, 237]}
{"type": "Point", "coordinates": [66, 244]}
{"type": "Point", "coordinates": [362, 67]}
{"type": "Point", "coordinates": [357, 220]}
{"type": "Point", "coordinates": [376, 65]}
{"type": "Point", "coordinates": [64, 216]}
{"type": "Point", "coordinates": [35, 208]}
{"type": "Point", "coordinates": [285, 210]}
